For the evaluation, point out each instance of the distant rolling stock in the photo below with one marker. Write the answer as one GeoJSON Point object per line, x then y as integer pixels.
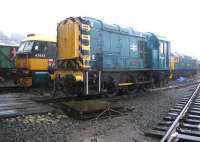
{"type": "Point", "coordinates": [7, 60]}
{"type": "Point", "coordinates": [182, 65]}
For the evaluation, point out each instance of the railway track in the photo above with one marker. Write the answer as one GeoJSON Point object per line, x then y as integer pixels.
{"type": "Point", "coordinates": [182, 123]}
{"type": "Point", "coordinates": [181, 85]}
{"type": "Point", "coordinates": [4, 89]}
{"type": "Point", "coordinates": [13, 88]}
{"type": "Point", "coordinates": [55, 101]}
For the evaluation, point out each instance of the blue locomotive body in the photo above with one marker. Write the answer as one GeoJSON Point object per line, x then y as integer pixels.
{"type": "Point", "coordinates": [116, 48]}
{"type": "Point", "coordinates": [185, 63]}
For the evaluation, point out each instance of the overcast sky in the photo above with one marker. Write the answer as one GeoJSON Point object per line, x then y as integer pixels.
{"type": "Point", "coordinates": [178, 20]}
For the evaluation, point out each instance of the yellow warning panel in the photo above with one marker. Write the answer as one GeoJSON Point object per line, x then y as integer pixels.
{"type": "Point", "coordinates": [38, 64]}
{"type": "Point", "coordinates": [32, 63]}
{"type": "Point", "coordinates": [68, 36]}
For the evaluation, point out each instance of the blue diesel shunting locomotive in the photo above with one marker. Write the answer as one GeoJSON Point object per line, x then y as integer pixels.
{"type": "Point", "coordinates": [99, 56]}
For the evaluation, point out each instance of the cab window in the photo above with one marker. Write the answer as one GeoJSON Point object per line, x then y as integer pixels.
{"type": "Point", "coordinates": [28, 46]}
{"type": "Point", "coordinates": [165, 47]}
{"type": "Point", "coordinates": [161, 48]}
{"type": "Point", "coordinates": [25, 46]}
{"type": "Point", "coordinates": [40, 47]}
{"type": "Point", "coordinates": [51, 51]}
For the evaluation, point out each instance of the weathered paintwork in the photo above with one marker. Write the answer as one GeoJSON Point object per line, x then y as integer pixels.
{"type": "Point", "coordinates": [117, 48]}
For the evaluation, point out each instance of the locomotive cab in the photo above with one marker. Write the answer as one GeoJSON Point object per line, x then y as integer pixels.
{"type": "Point", "coordinates": [35, 60]}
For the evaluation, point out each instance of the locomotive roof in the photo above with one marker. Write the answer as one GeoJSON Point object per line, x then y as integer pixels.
{"type": "Point", "coordinates": [9, 43]}
{"type": "Point", "coordinates": [40, 38]}
{"type": "Point", "coordinates": [182, 55]}
{"type": "Point", "coordinates": [123, 30]}
{"type": "Point", "coordinates": [114, 27]}
{"type": "Point", "coordinates": [162, 38]}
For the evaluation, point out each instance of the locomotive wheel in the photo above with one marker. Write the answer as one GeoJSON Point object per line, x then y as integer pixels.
{"type": "Point", "coordinates": [112, 92]}
{"type": "Point", "coordinates": [110, 86]}
{"type": "Point", "coordinates": [78, 88]}
{"type": "Point", "coordinates": [145, 87]}
{"type": "Point", "coordinates": [69, 86]}
{"type": "Point", "coordinates": [132, 90]}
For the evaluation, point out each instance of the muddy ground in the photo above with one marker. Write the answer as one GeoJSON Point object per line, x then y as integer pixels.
{"type": "Point", "coordinates": [57, 127]}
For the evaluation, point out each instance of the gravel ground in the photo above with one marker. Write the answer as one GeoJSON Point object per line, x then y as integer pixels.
{"type": "Point", "coordinates": [149, 109]}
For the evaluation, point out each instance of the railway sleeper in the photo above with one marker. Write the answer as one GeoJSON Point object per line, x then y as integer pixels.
{"type": "Point", "coordinates": [161, 128]}
{"type": "Point", "coordinates": [197, 100]}
{"type": "Point", "coordinates": [178, 107]}
{"type": "Point", "coordinates": [189, 132]}
{"type": "Point", "coordinates": [166, 123]}
{"type": "Point", "coordinates": [182, 103]}
{"type": "Point", "coordinates": [189, 126]}
{"type": "Point", "coordinates": [185, 98]}
{"type": "Point", "coordinates": [192, 116]}
{"type": "Point", "coordinates": [195, 108]}
{"type": "Point", "coordinates": [188, 138]}
{"type": "Point", "coordinates": [196, 103]}
{"type": "Point", "coordinates": [192, 121]}
{"type": "Point", "coordinates": [175, 110]}
{"type": "Point", "coordinates": [155, 133]}
{"type": "Point", "coordinates": [194, 112]}
{"type": "Point", "coordinates": [169, 118]}
{"type": "Point", "coordinates": [173, 114]}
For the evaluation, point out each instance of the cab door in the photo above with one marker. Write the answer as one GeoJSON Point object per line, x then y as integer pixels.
{"type": "Point", "coordinates": [163, 55]}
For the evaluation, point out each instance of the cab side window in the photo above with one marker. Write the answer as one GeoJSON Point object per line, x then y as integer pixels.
{"type": "Point", "coordinates": [40, 49]}
{"type": "Point", "coordinates": [162, 48]}
{"type": "Point", "coordinates": [51, 51]}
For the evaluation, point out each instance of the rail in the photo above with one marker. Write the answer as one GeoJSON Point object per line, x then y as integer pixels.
{"type": "Point", "coordinates": [169, 136]}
